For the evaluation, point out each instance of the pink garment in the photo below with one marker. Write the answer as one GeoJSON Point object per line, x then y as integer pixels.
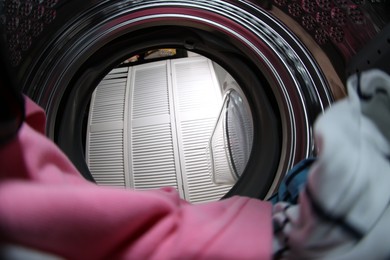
{"type": "Point", "coordinates": [45, 204]}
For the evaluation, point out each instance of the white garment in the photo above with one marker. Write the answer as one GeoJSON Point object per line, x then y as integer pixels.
{"type": "Point", "coordinates": [343, 212]}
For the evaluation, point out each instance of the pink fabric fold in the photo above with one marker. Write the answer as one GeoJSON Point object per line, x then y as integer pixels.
{"type": "Point", "coordinates": [45, 204]}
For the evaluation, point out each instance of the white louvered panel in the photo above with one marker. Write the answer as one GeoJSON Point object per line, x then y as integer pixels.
{"type": "Point", "coordinates": [197, 105]}
{"type": "Point", "coordinates": [196, 89]}
{"type": "Point", "coordinates": [159, 150]}
{"type": "Point", "coordinates": [115, 73]}
{"type": "Point", "coordinates": [153, 158]}
{"type": "Point", "coordinates": [106, 161]}
{"type": "Point", "coordinates": [109, 99]}
{"type": "Point", "coordinates": [152, 149]}
{"type": "Point", "coordinates": [150, 95]}
{"type": "Point", "coordinates": [105, 140]}
{"type": "Point", "coordinates": [195, 136]}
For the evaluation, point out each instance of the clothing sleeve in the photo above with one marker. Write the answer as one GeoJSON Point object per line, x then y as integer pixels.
{"type": "Point", "coordinates": [46, 205]}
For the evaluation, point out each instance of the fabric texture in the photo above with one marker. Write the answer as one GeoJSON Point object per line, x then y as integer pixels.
{"type": "Point", "coordinates": [293, 182]}
{"type": "Point", "coordinates": [343, 210]}
{"type": "Point", "coordinates": [47, 206]}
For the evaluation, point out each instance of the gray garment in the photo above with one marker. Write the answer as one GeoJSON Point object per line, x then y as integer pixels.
{"type": "Point", "coordinates": [343, 211]}
{"type": "Point", "coordinates": [375, 101]}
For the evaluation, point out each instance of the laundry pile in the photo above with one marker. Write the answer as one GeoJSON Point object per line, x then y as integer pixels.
{"type": "Point", "coordinates": [343, 210]}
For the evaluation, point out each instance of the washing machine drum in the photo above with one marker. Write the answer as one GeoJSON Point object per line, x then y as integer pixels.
{"type": "Point", "coordinates": [287, 57]}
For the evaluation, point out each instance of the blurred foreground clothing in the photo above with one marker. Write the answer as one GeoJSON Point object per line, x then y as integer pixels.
{"type": "Point", "coordinates": [47, 206]}
{"type": "Point", "coordinates": [343, 211]}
